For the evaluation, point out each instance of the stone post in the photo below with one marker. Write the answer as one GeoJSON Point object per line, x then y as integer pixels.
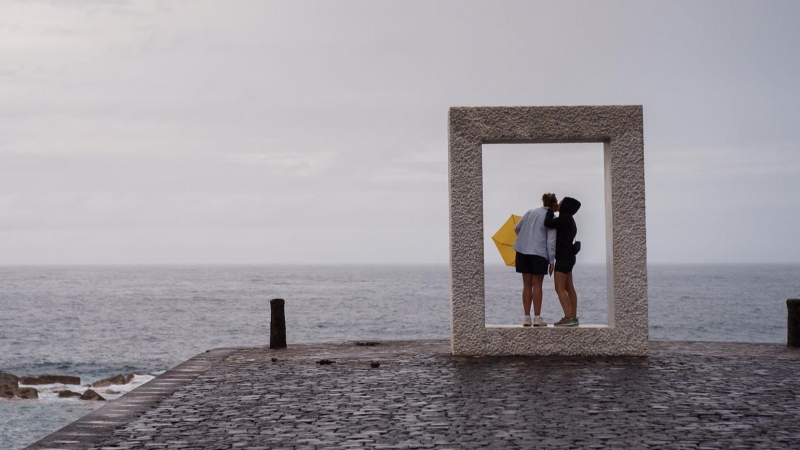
{"type": "Point", "coordinates": [277, 324]}
{"type": "Point", "coordinates": [793, 338]}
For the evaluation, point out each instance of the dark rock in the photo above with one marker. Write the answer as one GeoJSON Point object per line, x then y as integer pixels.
{"type": "Point", "coordinates": [374, 364]}
{"type": "Point", "coordinates": [50, 379]}
{"type": "Point", "coordinates": [274, 359]}
{"type": "Point", "coordinates": [129, 378]}
{"type": "Point", "coordinates": [68, 394]}
{"type": "Point", "coordinates": [27, 393]}
{"type": "Point", "coordinates": [368, 344]}
{"type": "Point", "coordinates": [9, 392]}
{"type": "Point", "coordinates": [324, 362]}
{"type": "Point", "coordinates": [116, 379]}
{"type": "Point", "coordinates": [92, 395]}
{"type": "Point", "coordinates": [6, 379]}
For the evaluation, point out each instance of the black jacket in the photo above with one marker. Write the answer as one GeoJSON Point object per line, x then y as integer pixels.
{"type": "Point", "coordinates": [565, 225]}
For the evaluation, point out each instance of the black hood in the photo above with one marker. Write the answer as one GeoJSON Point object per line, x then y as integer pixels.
{"type": "Point", "coordinates": [569, 206]}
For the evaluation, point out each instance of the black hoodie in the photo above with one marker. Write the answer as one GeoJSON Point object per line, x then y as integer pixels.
{"type": "Point", "coordinates": [565, 225]}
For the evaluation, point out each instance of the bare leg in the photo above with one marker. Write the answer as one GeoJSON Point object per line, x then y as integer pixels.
{"type": "Point", "coordinates": [560, 282]}
{"type": "Point", "coordinates": [537, 294]}
{"type": "Point", "coordinates": [527, 282]}
{"type": "Point", "coordinates": [573, 296]}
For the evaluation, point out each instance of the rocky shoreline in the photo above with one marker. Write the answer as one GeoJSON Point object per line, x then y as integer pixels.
{"type": "Point", "coordinates": [18, 387]}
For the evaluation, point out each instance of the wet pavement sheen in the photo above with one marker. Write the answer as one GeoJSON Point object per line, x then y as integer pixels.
{"type": "Point", "coordinates": [685, 395]}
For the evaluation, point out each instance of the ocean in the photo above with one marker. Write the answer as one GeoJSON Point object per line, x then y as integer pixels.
{"type": "Point", "coordinates": [95, 321]}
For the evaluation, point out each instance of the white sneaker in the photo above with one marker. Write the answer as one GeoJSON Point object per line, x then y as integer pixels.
{"type": "Point", "coordinates": [527, 321]}
{"type": "Point", "coordinates": [539, 322]}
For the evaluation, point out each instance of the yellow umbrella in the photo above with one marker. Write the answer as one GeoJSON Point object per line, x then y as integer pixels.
{"type": "Point", "coordinates": [504, 240]}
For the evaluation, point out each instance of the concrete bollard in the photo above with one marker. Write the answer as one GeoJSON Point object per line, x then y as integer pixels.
{"type": "Point", "coordinates": [793, 338]}
{"type": "Point", "coordinates": [277, 324]}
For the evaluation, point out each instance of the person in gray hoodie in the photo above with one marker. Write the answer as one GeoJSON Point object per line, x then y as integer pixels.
{"type": "Point", "coordinates": [536, 252]}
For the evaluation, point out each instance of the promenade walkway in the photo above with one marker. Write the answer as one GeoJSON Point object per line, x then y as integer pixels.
{"type": "Point", "coordinates": [685, 395]}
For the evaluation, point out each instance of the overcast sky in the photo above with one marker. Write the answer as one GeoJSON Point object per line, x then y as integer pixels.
{"type": "Point", "coordinates": [316, 131]}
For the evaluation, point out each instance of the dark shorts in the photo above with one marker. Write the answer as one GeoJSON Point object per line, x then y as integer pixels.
{"type": "Point", "coordinates": [534, 264]}
{"type": "Point", "coordinates": [564, 265]}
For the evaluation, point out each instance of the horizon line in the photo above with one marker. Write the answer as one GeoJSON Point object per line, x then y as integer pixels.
{"type": "Point", "coordinates": [122, 264]}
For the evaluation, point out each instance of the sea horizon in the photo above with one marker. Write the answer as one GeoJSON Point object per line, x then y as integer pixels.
{"type": "Point", "coordinates": [401, 264]}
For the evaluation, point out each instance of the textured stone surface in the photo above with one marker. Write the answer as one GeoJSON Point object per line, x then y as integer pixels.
{"type": "Point", "coordinates": [99, 424]}
{"type": "Point", "coordinates": [685, 395]}
{"type": "Point", "coordinates": [620, 128]}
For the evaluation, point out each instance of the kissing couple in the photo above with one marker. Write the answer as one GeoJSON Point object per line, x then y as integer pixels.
{"type": "Point", "coordinates": [546, 244]}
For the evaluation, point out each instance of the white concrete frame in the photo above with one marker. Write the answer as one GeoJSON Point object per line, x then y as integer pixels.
{"type": "Point", "coordinates": [620, 129]}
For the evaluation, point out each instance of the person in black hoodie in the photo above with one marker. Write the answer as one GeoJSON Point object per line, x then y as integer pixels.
{"type": "Point", "coordinates": [566, 249]}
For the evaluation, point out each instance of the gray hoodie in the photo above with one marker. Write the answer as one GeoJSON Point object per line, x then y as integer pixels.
{"type": "Point", "coordinates": [532, 236]}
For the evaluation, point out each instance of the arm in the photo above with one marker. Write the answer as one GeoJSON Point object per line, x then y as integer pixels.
{"type": "Point", "coordinates": [550, 220]}
{"type": "Point", "coordinates": [551, 246]}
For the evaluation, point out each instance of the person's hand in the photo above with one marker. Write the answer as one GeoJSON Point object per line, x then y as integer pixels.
{"type": "Point", "coordinates": [550, 270]}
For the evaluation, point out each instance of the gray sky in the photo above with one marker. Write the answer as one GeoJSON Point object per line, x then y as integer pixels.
{"type": "Point", "coordinates": [316, 131]}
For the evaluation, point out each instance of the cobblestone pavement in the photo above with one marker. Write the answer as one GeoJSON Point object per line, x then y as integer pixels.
{"type": "Point", "coordinates": [685, 395]}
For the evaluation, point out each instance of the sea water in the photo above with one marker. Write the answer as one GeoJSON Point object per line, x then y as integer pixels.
{"type": "Point", "coordinates": [99, 321]}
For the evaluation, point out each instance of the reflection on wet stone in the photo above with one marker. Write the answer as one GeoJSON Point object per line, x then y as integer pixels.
{"type": "Point", "coordinates": [682, 396]}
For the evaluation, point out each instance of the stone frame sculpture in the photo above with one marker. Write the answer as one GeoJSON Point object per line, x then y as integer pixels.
{"type": "Point", "coordinates": [620, 129]}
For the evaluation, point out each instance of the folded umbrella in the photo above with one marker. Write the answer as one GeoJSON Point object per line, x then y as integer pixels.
{"type": "Point", "coordinates": [504, 240]}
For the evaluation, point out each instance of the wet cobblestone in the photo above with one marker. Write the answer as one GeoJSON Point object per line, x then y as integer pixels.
{"type": "Point", "coordinates": [683, 396]}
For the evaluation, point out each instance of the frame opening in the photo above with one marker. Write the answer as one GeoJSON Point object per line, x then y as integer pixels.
{"type": "Point", "coordinates": [514, 178]}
